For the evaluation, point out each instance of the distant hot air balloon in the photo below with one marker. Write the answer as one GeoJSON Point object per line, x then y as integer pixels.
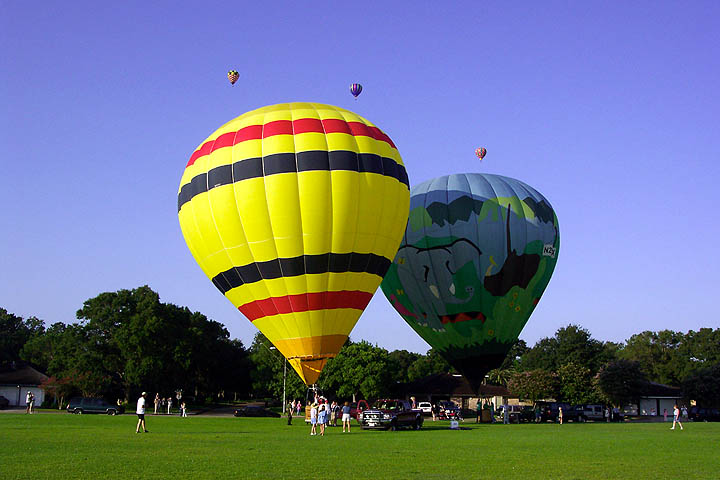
{"type": "Point", "coordinates": [233, 76]}
{"type": "Point", "coordinates": [481, 152]}
{"type": "Point", "coordinates": [477, 254]}
{"type": "Point", "coordinates": [295, 211]}
{"type": "Point", "coordinates": [355, 89]}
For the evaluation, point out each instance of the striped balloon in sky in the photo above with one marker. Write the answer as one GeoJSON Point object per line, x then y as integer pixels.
{"type": "Point", "coordinates": [295, 212]}
{"type": "Point", "coordinates": [355, 89]}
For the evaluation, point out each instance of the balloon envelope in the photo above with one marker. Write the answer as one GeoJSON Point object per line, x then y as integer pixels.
{"type": "Point", "coordinates": [295, 211]}
{"type": "Point", "coordinates": [478, 252]}
{"type": "Point", "coordinates": [233, 76]}
{"type": "Point", "coordinates": [355, 89]}
{"type": "Point", "coordinates": [481, 152]}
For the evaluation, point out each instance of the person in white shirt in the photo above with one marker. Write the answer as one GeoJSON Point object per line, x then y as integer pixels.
{"type": "Point", "coordinates": [676, 418]}
{"type": "Point", "coordinates": [141, 413]}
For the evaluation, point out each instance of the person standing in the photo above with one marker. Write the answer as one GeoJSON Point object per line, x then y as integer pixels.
{"type": "Point", "coordinates": [313, 419]}
{"type": "Point", "coordinates": [346, 417]}
{"type": "Point", "coordinates": [289, 412]}
{"type": "Point", "coordinates": [684, 412]}
{"type": "Point", "coordinates": [157, 403]}
{"type": "Point", "coordinates": [664, 414]}
{"type": "Point", "coordinates": [140, 410]}
{"type": "Point", "coordinates": [28, 399]}
{"type": "Point", "coordinates": [478, 411]}
{"type": "Point", "coordinates": [676, 417]}
{"type": "Point", "coordinates": [298, 406]}
{"type": "Point", "coordinates": [322, 418]}
{"type": "Point", "coordinates": [506, 414]}
{"type": "Point", "coordinates": [169, 401]}
{"type": "Point", "coordinates": [538, 413]}
{"type": "Point", "coordinates": [560, 415]}
{"type": "Point", "coordinates": [607, 414]}
{"type": "Point", "coordinates": [183, 409]}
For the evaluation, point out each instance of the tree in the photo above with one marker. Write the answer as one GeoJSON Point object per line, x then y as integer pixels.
{"type": "Point", "coordinates": [514, 356]}
{"type": "Point", "coordinates": [15, 332]}
{"type": "Point", "coordinates": [500, 376]}
{"type": "Point", "coordinates": [430, 364]}
{"type": "Point", "coordinates": [659, 355]}
{"type": "Point", "coordinates": [533, 385]}
{"type": "Point", "coordinates": [703, 386]}
{"type": "Point", "coordinates": [360, 369]}
{"type": "Point", "coordinates": [399, 362]}
{"type": "Point", "coordinates": [621, 382]}
{"type": "Point", "coordinates": [571, 344]}
{"type": "Point", "coordinates": [576, 384]}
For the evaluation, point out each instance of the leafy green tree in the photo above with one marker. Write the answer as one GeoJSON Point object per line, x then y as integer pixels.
{"type": "Point", "coordinates": [703, 386]}
{"type": "Point", "coordinates": [359, 370]}
{"type": "Point", "coordinates": [571, 344]}
{"type": "Point", "coordinates": [15, 332]}
{"type": "Point", "coordinates": [659, 355]}
{"type": "Point", "coordinates": [430, 364]}
{"type": "Point", "coordinates": [621, 382]}
{"type": "Point", "coordinates": [399, 362]}
{"type": "Point", "coordinates": [533, 385]}
{"type": "Point", "coordinates": [514, 356]}
{"type": "Point", "coordinates": [576, 385]}
{"type": "Point", "coordinates": [500, 376]}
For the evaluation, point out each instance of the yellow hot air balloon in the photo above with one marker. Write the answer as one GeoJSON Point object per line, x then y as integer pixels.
{"type": "Point", "coordinates": [295, 212]}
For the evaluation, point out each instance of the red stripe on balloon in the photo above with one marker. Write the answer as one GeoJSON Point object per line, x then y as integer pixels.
{"type": "Point", "coordinates": [305, 302]}
{"type": "Point", "coordinates": [287, 127]}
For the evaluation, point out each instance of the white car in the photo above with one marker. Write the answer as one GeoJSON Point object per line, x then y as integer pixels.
{"type": "Point", "coordinates": [426, 407]}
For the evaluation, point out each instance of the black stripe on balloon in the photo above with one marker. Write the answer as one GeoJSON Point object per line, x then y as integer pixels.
{"type": "Point", "coordinates": [304, 264]}
{"type": "Point", "coordinates": [291, 163]}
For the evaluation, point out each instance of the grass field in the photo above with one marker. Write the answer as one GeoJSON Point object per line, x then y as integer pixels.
{"type": "Point", "coordinates": [64, 446]}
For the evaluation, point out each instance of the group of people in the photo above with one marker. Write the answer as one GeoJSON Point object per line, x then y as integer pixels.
{"type": "Point", "coordinates": [163, 403]}
{"type": "Point", "coordinates": [325, 414]}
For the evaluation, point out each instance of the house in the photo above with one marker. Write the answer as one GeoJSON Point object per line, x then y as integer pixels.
{"type": "Point", "coordinates": [17, 380]}
{"type": "Point", "coordinates": [656, 398]}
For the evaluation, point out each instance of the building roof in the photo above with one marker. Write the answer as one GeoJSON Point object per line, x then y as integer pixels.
{"type": "Point", "coordinates": [447, 384]}
{"type": "Point", "coordinates": [659, 390]}
{"type": "Point", "coordinates": [21, 374]}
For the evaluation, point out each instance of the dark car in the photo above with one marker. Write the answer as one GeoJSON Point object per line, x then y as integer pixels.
{"type": "Point", "coordinates": [550, 411]}
{"type": "Point", "coordinates": [449, 411]}
{"type": "Point", "coordinates": [4, 403]}
{"type": "Point", "coordinates": [392, 414]}
{"type": "Point", "coordinates": [255, 411]}
{"type": "Point", "coordinates": [700, 414]}
{"type": "Point", "coordinates": [81, 405]}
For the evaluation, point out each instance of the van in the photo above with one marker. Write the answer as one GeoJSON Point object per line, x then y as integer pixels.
{"type": "Point", "coordinates": [80, 405]}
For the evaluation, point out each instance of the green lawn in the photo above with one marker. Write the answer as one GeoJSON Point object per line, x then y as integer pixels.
{"type": "Point", "coordinates": [60, 446]}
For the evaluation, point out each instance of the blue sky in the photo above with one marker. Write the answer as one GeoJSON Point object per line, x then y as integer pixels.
{"type": "Point", "coordinates": [609, 109]}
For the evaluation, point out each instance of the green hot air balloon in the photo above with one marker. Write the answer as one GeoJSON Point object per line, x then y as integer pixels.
{"type": "Point", "coordinates": [477, 254]}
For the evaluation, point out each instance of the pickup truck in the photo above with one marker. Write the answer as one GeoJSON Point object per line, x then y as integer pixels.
{"type": "Point", "coordinates": [391, 415]}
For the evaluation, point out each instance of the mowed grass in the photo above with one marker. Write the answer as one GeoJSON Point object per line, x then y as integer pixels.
{"type": "Point", "coordinates": [64, 446]}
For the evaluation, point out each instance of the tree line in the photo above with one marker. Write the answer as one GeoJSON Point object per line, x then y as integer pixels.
{"type": "Point", "coordinates": [127, 341]}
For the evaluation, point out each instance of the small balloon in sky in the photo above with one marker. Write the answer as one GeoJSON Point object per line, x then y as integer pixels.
{"type": "Point", "coordinates": [481, 152]}
{"type": "Point", "coordinates": [233, 76]}
{"type": "Point", "coordinates": [355, 89]}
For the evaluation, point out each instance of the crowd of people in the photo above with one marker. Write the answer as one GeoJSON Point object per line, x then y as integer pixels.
{"type": "Point", "coordinates": [166, 405]}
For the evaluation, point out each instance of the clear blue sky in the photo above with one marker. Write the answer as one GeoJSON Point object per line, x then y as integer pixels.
{"type": "Point", "coordinates": [610, 109]}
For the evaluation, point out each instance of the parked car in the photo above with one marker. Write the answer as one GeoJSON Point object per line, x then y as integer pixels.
{"type": "Point", "coordinates": [594, 412]}
{"type": "Point", "coordinates": [254, 411]}
{"type": "Point", "coordinates": [700, 414]}
{"type": "Point", "coordinates": [449, 410]}
{"type": "Point", "coordinates": [4, 403]}
{"type": "Point", "coordinates": [391, 415]}
{"type": "Point", "coordinates": [80, 405]}
{"type": "Point", "coordinates": [518, 413]}
{"type": "Point", "coordinates": [426, 407]}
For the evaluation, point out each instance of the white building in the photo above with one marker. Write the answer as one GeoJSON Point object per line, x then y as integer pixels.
{"type": "Point", "coordinates": [16, 381]}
